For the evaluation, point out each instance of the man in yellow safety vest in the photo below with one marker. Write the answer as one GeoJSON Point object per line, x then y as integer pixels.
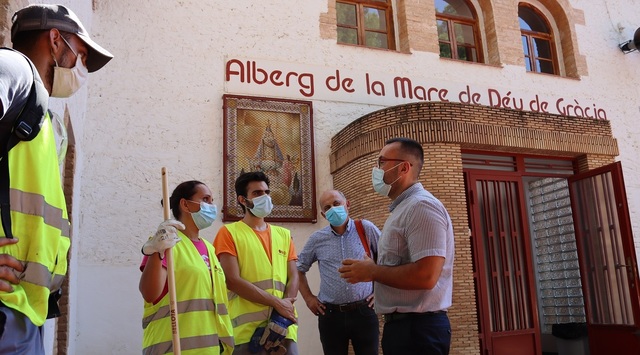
{"type": "Point", "coordinates": [259, 262]}
{"type": "Point", "coordinates": [52, 57]}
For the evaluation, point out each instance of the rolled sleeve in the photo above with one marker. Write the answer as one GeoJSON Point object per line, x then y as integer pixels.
{"type": "Point", "coordinates": [307, 256]}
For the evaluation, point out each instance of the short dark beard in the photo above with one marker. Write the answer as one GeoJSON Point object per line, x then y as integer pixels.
{"type": "Point", "coordinates": [63, 63]}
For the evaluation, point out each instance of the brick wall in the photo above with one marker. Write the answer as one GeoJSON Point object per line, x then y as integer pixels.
{"type": "Point", "coordinates": [592, 161]}
{"type": "Point", "coordinates": [445, 129]}
{"type": "Point", "coordinates": [61, 343]}
{"type": "Point", "coordinates": [414, 33]}
{"type": "Point", "coordinates": [62, 322]}
{"type": "Point", "coordinates": [417, 31]}
{"type": "Point", "coordinates": [474, 127]}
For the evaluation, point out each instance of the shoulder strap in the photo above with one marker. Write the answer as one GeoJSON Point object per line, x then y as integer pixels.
{"type": "Point", "coordinates": [25, 128]}
{"type": "Point", "coordinates": [363, 237]}
{"type": "Point", "coordinates": [29, 120]}
{"type": "Point", "coordinates": [5, 207]}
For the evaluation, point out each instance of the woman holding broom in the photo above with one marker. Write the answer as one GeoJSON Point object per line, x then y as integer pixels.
{"type": "Point", "coordinates": [204, 323]}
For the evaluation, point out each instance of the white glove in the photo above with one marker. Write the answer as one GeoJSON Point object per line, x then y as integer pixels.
{"type": "Point", "coordinates": [165, 238]}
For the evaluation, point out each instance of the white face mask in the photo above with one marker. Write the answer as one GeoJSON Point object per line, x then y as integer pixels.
{"type": "Point", "coordinates": [262, 206]}
{"type": "Point", "coordinates": [377, 179]}
{"type": "Point", "coordinates": [66, 81]}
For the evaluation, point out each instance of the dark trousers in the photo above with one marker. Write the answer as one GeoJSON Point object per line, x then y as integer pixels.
{"type": "Point", "coordinates": [359, 325]}
{"type": "Point", "coordinates": [417, 334]}
{"type": "Point", "coordinates": [243, 349]}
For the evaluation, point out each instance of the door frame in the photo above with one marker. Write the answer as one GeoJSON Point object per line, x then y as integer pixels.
{"type": "Point", "coordinates": [518, 173]}
{"type": "Point", "coordinates": [602, 337]}
{"type": "Point", "coordinates": [497, 343]}
{"type": "Point", "coordinates": [520, 166]}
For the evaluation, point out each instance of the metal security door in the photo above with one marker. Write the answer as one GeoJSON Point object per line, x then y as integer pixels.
{"type": "Point", "coordinates": [502, 266]}
{"type": "Point", "coordinates": [607, 260]}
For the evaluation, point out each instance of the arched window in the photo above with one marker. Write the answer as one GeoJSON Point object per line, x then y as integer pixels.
{"type": "Point", "coordinates": [537, 41]}
{"type": "Point", "coordinates": [366, 23]}
{"type": "Point", "coordinates": [458, 30]}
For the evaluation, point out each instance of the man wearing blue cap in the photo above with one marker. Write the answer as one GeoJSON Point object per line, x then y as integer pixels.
{"type": "Point", "coordinates": [53, 53]}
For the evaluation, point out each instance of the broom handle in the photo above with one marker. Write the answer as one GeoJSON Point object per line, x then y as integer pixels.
{"type": "Point", "coordinates": [173, 304]}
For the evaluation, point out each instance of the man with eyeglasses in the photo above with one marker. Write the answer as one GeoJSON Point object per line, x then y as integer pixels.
{"type": "Point", "coordinates": [413, 275]}
{"type": "Point", "coordinates": [52, 56]}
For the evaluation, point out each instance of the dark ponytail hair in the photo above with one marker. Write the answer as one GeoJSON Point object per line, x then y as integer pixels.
{"type": "Point", "coordinates": [185, 190]}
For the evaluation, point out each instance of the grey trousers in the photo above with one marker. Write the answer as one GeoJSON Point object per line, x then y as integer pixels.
{"type": "Point", "coordinates": [18, 335]}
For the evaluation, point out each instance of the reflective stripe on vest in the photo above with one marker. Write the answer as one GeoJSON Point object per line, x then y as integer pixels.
{"type": "Point", "coordinates": [270, 276]}
{"type": "Point", "coordinates": [39, 220]}
{"type": "Point", "coordinates": [56, 284]}
{"type": "Point", "coordinates": [37, 274]}
{"type": "Point", "coordinates": [191, 343]}
{"type": "Point", "coordinates": [202, 310]}
{"type": "Point", "coordinates": [263, 285]}
{"type": "Point", "coordinates": [184, 307]}
{"type": "Point", "coordinates": [34, 204]}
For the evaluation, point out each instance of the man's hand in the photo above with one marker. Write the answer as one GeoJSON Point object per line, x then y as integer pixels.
{"type": "Point", "coordinates": [315, 306]}
{"type": "Point", "coordinates": [354, 271]}
{"type": "Point", "coordinates": [284, 307]}
{"type": "Point", "coordinates": [165, 238]}
{"type": "Point", "coordinates": [370, 300]}
{"type": "Point", "coordinates": [10, 267]}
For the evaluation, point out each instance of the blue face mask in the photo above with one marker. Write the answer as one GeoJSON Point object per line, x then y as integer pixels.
{"type": "Point", "coordinates": [262, 206]}
{"type": "Point", "coordinates": [377, 180]}
{"type": "Point", "coordinates": [336, 215]}
{"type": "Point", "coordinates": [205, 217]}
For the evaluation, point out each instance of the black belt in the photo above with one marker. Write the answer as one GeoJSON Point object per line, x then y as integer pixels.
{"type": "Point", "coordinates": [346, 307]}
{"type": "Point", "coordinates": [390, 317]}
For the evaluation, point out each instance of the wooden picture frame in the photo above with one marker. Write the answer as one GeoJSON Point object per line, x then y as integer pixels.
{"type": "Point", "coordinates": [274, 136]}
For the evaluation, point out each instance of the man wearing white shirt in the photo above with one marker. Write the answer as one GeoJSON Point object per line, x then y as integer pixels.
{"type": "Point", "coordinates": [413, 274]}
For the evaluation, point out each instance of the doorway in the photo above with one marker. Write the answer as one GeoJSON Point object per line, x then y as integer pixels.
{"type": "Point", "coordinates": [502, 265]}
{"type": "Point", "coordinates": [528, 262]}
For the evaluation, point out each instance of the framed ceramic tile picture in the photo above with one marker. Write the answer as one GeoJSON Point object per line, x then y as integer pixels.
{"type": "Point", "coordinates": [274, 136]}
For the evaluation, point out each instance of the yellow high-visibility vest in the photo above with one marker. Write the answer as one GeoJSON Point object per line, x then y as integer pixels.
{"type": "Point", "coordinates": [39, 221]}
{"type": "Point", "coordinates": [255, 267]}
{"type": "Point", "coordinates": [201, 295]}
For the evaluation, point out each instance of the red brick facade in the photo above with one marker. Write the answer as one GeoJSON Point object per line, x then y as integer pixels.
{"type": "Point", "coordinates": [445, 129]}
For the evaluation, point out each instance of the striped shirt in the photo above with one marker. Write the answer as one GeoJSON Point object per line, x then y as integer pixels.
{"type": "Point", "coordinates": [329, 249]}
{"type": "Point", "coordinates": [419, 226]}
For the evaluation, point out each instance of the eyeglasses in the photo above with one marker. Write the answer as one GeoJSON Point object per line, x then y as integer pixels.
{"type": "Point", "coordinates": [382, 160]}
